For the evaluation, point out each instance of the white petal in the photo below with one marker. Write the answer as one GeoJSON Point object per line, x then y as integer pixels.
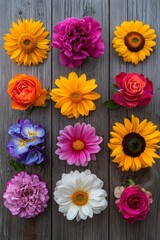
{"type": "Point", "coordinates": [82, 215]}
{"type": "Point", "coordinates": [63, 201]}
{"type": "Point", "coordinates": [98, 204]}
{"type": "Point", "coordinates": [88, 183]}
{"type": "Point", "coordinates": [64, 190]}
{"type": "Point", "coordinates": [64, 208]}
{"type": "Point", "coordinates": [97, 193]}
{"type": "Point", "coordinates": [78, 218]}
{"type": "Point", "coordinates": [87, 172]}
{"type": "Point", "coordinates": [118, 191]}
{"type": "Point", "coordinates": [97, 183]}
{"type": "Point", "coordinates": [72, 212]}
{"type": "Point", "coordinates": [56, 194]}
{"type": "Point", "coordinates": [79, 182]}
{"type": "Point", "coordinates": [86, 209]}
{"type": "Point", "coordinates": [96, 211]}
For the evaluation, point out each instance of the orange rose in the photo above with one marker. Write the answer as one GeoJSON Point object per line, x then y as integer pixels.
{"type": "Point", "coordinates": [25, 91]}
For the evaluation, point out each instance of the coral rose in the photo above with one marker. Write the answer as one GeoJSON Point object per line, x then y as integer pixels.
{"type": "Point", "coordinates": [25, 91]}
{"type": "Point", "coordinates": [133, 90]}
{"type": "Point", "coordinates": [133, 202]}
{"type": "Point", "coordinates": [77, 39]}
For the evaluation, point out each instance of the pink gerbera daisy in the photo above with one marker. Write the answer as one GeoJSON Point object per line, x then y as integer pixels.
{"type": "Point", "coordinates": [78, 144]}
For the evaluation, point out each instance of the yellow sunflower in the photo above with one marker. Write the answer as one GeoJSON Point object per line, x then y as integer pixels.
{"type": "Point", "coordinates": [134, 144]}
{"type": "Point", "coordinates": [74, 95]}
{"type": "Point", "coordinates": [134, 41]}
{"type": "Point", "coordinates": [26, 43]}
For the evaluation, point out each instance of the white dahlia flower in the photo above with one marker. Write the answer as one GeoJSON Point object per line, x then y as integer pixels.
{"type": "Point", "coordinates": [80, 195]}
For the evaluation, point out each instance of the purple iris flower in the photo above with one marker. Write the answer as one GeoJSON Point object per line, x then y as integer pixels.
{"type": "Point", "coordinates": [24, 145]}
{"type": "Point", "coordinates": [31, 131]}
{"type": "Point", "coordinates": [24, 121]}
{"type": "Point", "coordinates": [33, 156]}
{"type": "Point", "coordinates": [15, 130]}
{"type": "Point", "coordinates": [11, 151]}
{"type": "Point", "coordinates": [17, 146]}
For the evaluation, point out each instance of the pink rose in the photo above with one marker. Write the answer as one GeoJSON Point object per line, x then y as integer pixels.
{"type": "Point", "coordinates": [133, 90]}
{"type": "Point", "coordinates": [78, 39]}
{"type": "Point", "coordinates": [133, 202]}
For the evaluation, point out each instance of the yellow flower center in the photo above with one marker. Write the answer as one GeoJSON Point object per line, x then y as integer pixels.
{"type": "Point", "coordinates": [30, 140]}
{"type": "Point", "coordinates": [21, 143]}
{"type": "Point", "coordinates": [27, 43]}
{"type": "Point", "coordinates": [32, 133]}
{"type": "Point", "coordinates": [76, 97]}
{"type": "Point", "coordinates": [134, 41]}
{"type": "Point", "coordinates": [80, 198]}
{"type": "Point", "coordinates": [78, 145]}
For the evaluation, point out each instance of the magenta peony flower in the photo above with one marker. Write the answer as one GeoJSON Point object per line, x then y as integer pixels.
{"type": "Point", "coordinates": [78, 39]}
{"type": "Point", "coordinates": [133, 90]}
{"type": "Point", "coordinates": [25, 195]}
{"type": "Point", "coordinates": [133, 202]}
{"type": "Point", "coordinates": [78, 144]}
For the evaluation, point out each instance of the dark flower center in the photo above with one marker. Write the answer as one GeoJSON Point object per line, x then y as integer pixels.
{"type": "Point", "coordinates": [134, 202]}
{"type": "Point", "coordinates": [26, 41]}
{"type": "Point", "coordinates": [133, 144]}
{"type": "Point", "coordinates": [134, 41]}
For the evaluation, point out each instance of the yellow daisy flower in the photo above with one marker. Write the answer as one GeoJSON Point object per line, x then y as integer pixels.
{"type": "Point", "coordinates": [134, 41]}
{"type": "Point", "coordinates": [26, 43]}
{"type": "Point", "coordinates": [74, 95]}
{"type": "Point", "coordinates": [134, 144]}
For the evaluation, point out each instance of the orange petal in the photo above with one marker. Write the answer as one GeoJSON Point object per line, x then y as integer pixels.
{"type": "Point", "coordinates": [18, 106]}
{"type": "Point", "coordinates": [41, 99]}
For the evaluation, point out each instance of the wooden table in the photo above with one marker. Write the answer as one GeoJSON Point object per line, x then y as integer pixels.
{"type": "Point", "coordinates": [51, 224]}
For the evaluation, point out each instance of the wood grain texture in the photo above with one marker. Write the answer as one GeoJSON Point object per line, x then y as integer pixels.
{"type": "Point", "coordinates": [51, 224]}
{"type": "Point", "coordinates": [12, 227]}
{"type": "Point", "coordinates": [147, 12]}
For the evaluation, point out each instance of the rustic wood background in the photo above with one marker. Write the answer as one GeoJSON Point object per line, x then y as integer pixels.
{"type": "Point", "coordinates": [51, 224]}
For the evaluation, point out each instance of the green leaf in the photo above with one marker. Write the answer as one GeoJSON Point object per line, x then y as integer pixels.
{"type": "Point", "coordinates": [110, 103]}
{"type": "Point", "coordinates": [48, 97]}
{"type": "Point", "coordinates": [29, 110]}
{"type": "Point", "coordinates": [45, 104]}
{"type": "Point", "coordinates": [40, 166]}
{"type": "Point", "coordinates": [18, 166]}
{"type": "Point", "coordinates": [131, 182]}
{"type": "Point", "coordinates": [115, 85]}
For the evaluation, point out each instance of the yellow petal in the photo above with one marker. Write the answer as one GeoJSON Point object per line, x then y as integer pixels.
{"type": "Point", "coordinates": [16, 53]}
{"type": "Point", "coordinates": [137, 163]}
{"type": "Point", "coordinates": [116, 151]}
{"type": "Point", "coordinates": [128, 125]}
{"type": "Point", "coordinates": [127, 163]}
{"type": "Point", "coordinates": [65, 107]}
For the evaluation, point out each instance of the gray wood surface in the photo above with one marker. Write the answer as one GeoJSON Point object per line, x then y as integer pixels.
{"type": "Point", "coordinates": [51, 224]}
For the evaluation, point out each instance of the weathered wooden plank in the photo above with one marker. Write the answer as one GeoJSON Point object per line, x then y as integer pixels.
{"type": "Point", "coordinates": [13, 227]}
{"type": "Point", "coordinates": [96, 228]}
{"type": "Point", "coordinates": [148, 12]}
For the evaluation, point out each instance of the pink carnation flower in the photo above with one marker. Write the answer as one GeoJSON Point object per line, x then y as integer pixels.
{"type": "Point", "coordinates": [78, 39]}
{"type": "Point", "coordinates": [78, 144]}
{"type": "Point", "coordinates": [25, 195]}
{"type": "Point", "coordinates": [133, 202]}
